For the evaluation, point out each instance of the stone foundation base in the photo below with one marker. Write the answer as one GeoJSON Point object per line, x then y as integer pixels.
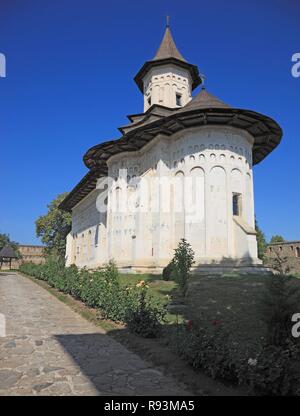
{"type": "Point", "coordinates": [204, 266]}
{"type": "Point", "coordinates": [241, 270]}
{"type": "Point", "coordinates": [206, 269]}
{"type": "Point", "coordinates": [141, 270]}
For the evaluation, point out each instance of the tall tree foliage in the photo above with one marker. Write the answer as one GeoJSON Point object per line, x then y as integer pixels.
{"type": "Point", "coordinates": [54, 227]}
{"type": "Point", "coordinates": [261, 241]}
{"type": "Point", "coordinates": [6, 241]}
{"type": "Point", "coordinates": [277, 239]}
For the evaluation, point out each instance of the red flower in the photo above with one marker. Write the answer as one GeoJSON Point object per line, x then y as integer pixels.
{"type": "Point", "coordinates": [189, 323]}
{"type": "Point", "coordinates": [215, 322]}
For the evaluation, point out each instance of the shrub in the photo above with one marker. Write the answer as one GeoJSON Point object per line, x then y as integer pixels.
{"type": "Point", "coordinates": [90, 287]}
{"type": "Point", "coordinates": [102, 289]}
{"type": "Point", "coordinates": [183, 261]}
{"type": "Point", "coordinates": [271, 370]}
{"type": "Point", "coordinates": [168, 271]}
{"type": "Point", "coordinates": [145, 316]}
{"type": "Point", "coordinates": [275, 371]}
{"type": "Point", "coordinates": [265, 369]}
{"type": "Point", "coordinates": [211, 350]}
{"type": "Point", "coordinates": [113, 298]}
{"type": "Point", "coordinates": [279, 302]}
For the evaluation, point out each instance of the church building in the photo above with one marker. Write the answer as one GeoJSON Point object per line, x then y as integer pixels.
{"type": "Point", "coordinates": [183, 168]}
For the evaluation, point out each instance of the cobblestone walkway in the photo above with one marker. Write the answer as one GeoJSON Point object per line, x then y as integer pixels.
{"type": "Point", "coordinates": [51, 350]}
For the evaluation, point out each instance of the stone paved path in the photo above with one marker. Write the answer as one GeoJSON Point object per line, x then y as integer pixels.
{"type": "Point", "coordinates": [51, 350]}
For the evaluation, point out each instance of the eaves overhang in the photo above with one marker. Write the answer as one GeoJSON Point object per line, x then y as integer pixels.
{"type": "Point", "coordinates": [266, 132]}
{"type": "Point", "coordinates": [193, 70]}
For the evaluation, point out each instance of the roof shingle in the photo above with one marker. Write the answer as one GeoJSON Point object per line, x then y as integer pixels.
{"type": "Point", "coordinates": [204, 100]}
{"type": "Point", "coordinates": [168, 48]}
{"type": "Point", "coordinates": [8, 252]}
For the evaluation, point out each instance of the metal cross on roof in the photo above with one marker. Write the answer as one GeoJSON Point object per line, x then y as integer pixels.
{"type": "Point", "coordinates": [203, 78]}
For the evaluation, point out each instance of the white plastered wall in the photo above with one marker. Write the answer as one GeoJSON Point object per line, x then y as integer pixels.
{"type": "Point", "coordinates": [163, 82]}
{"type": "Point", "coordinates": [221, 160]}
{"type": "Point", "coordinates": [216, 160]}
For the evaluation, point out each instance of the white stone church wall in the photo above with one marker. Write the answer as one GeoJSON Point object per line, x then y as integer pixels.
{"type": "Point", "coordinates": [162, 83]}
{"type": "Point", "coordinates": [87, 242]}
{"type": "Point", "coordinates": [221, 160]}
{"type": "Point", "coordinates": [216, 152]}
{"type": "Point", "coordinates": [216, 160]}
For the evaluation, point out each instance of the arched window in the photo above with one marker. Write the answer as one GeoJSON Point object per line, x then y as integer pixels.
{"type": "Point", "coordinates": [178, 99]}
{"type": "Point", "coordinates": [96, 236]}
{"type": "Point", "coordinates": [237, 204]}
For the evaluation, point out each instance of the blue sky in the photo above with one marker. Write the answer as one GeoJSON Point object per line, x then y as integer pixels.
{"type": "Point", "coordinates": [69, 85]}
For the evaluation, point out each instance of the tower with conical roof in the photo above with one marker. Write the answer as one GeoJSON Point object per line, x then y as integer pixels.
{"type": "Point", "coordinates": [168, 79]}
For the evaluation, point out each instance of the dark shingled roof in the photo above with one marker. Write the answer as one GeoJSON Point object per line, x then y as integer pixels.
{"type": "Point", "coordinates": [204, 109]}
{"type": "Point", "coordinates": [156, 111]}
{"type": "Point", "coordinates": [8, 252]}
{"type": "Point", "coordinates": [167, 48]}
{"type": "Point", "coordinates": [204, 100]}
{"type": "Point", "coordinates": [166, 54]}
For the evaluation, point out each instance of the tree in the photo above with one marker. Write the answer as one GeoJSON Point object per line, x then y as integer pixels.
{"type": "Point", "coordinates": [182, 263]}
{"type": "Point", "coordinates": [6, 241]}
{"type": "Point", "coordinates": [279, 263]}
{"type": "Point", "coordinates": [54, 227]}
{"type": "Point", "coordinates": [261, 241]}
{"type": "Point", "coordinates": [277, 239]}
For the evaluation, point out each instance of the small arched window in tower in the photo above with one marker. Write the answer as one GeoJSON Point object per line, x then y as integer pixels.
{"type": "Point", "coordinates": [178, 99]}
{"type": "Point", "coordinates": [149, 100]}
{"type": "Point", "coordinates": [297, 251]}
{"type": "Point", "coordinates": [237, 204]}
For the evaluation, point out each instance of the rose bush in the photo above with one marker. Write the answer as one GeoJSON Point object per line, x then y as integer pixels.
{"type": "Point", "coordinates": [102, 289]}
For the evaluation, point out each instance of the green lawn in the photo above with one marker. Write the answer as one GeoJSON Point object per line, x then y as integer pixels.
{"type": "Point", "coordinates": [157, 287]}
{"type": "Point", "coordinates": [234, 301]}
